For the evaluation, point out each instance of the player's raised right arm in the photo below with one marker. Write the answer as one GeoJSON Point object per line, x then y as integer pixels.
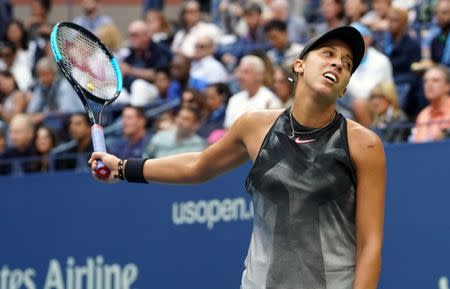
{"type": "Point", "coordinates": [189, 168]}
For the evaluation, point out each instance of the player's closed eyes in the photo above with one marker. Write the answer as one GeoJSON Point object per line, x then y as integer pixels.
{"type": "Point", "coordinates": [347, 64]}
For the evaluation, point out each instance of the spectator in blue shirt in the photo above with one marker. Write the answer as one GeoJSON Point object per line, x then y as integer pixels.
{"type": "Point", "coordinates": [440, 44]}
{"type": "Point", "coordinates": [283, 51]}
{"type": "Point", "coordinates": [251, 40]}
{"type": "Point", "coordinates": [402, 51]}
{"type": "Point", "coordinates": [144, 55]}
{"type": "Point", "coordinates": [91, 18]}
{"type": "Point", "coordinates": [217, 96]}
{"type": "Point", "coordinates": [80, 133]}
{"type": "Point", "coordinates": [179, 139]}
{"type": "Point", "coordinates": [135, 137]}
{"type": "Point", "coordinates": [162, 81]}
{"type": "Point", "coordinates": [52, 93]}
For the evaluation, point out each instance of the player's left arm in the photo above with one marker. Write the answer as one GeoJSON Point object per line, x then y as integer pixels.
{"type": "Point", "coordinates": [368, 157]}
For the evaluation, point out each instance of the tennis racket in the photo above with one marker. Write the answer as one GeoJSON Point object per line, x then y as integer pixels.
{"type": "Point", "coordinates": [93, 73]}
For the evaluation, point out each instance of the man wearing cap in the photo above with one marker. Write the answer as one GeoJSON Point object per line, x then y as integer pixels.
{"type": "Point", "coordinates": [317, 181]}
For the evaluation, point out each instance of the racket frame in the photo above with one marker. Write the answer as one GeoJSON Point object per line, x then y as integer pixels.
{"type": "Point", "coordinates": [98, 138]}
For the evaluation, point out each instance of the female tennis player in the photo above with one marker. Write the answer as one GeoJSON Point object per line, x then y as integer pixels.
{"type": "Point", "coordinates": [317, 181]}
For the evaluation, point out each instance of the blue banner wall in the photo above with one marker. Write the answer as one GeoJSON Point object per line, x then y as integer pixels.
{"type": "Point", "coordinates": [66, 231]}
{"type": "Point", "coordinates": [416, 253]}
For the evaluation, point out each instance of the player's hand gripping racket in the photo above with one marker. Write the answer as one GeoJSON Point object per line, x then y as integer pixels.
{"type": "Point", "coordinates": [92, 71]}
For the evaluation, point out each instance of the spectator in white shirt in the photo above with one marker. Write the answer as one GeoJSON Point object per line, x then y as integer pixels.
{"type": "Point", "coordinates": [253, 95]}
{"type": "Point", "coordinates": [375, 68]}
{"type": "Point", "coordinates": [204, 66]}
{"type": "Point", "coordinates": [193, 28]}
{"type": "Point", "coordinates": [16, 33]}
{"type": "Point", "coordinates": [10, 62]}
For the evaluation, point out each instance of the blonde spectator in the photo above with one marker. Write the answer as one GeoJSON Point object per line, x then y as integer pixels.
{"type": "Point", "coordinates": [158, 27]}
{"type": "Point", "coordinates": [434, 120]}
{"type": "Point", "coordinates": [389, 121]}
{"type": "Point", "coordinates": [268, 67]}
{"type": "Point", "coordinates": [110, 35]}
{"type": "Point", "coordinates": [113, 40]}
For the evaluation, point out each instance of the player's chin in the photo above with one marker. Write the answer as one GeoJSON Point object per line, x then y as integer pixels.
{"type": "Point", "coordinates": [329, 90]}
{"type": "Point", "coordinates": [325, 91]}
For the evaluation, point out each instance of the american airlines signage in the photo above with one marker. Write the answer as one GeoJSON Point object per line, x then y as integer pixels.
{"type": "Point", "coordinates": [94, 273]}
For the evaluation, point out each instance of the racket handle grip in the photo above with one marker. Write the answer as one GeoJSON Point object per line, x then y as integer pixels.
{"type": "Point", "coordinates": [98, 141]}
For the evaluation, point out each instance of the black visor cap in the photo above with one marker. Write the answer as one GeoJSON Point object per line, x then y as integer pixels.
{"type": "Point", "coordinates": [348, 35]}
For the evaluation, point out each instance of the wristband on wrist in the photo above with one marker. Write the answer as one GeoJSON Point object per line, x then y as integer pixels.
{"type": "Point", "coordinates": [134, 171]}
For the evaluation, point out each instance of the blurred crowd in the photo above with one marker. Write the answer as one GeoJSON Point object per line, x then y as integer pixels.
{"type": "Point", "coordinates": [217, 61]}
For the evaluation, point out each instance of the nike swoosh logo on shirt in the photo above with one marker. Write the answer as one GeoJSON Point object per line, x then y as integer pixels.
{"type": "Point", "coordinates": [303, 141]}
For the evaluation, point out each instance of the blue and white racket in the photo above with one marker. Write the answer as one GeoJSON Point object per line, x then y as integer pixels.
{"type": "Point", "coordinates": [92, 71]}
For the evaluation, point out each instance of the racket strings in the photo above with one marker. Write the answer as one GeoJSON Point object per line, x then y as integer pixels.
{"type": "Point", "coordinates": [88, 64]}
